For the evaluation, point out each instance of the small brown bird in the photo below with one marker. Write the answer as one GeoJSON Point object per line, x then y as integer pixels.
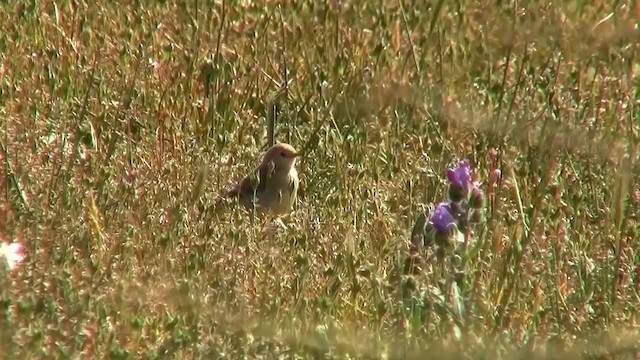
{"type": "Point", "coordinates": [273, 186]}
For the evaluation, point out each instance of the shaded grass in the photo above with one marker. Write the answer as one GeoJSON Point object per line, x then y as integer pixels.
{"type": "Point", "coordinates": [112, 112]}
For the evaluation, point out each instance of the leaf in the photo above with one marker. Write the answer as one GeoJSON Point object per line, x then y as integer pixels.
{"type": "Point", "coordinates": [458, 303]}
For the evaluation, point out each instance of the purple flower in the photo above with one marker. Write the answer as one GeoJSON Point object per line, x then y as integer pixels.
{"type": "Point", "coordinates": [441, 218]}
{"type": "Point", "coordinates": [460, 176]}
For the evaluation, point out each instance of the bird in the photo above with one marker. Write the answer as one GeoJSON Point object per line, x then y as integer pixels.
{"type": "Point", "coordinates": [273, 186]}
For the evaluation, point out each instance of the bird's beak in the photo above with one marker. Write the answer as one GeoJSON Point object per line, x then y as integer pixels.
{"type": "Point", "coordinates": [298, 154]}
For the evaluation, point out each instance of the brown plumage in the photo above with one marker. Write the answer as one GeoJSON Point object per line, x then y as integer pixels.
{"type": "Point", "coordinates": [273, 185]}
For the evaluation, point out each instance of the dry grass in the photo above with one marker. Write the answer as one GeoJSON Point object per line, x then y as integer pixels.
{"type": "Point", "coordinates": [112, 111]}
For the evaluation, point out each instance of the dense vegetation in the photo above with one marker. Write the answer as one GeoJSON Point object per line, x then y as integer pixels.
{"type": "Point", "coordinates": [121, 121]}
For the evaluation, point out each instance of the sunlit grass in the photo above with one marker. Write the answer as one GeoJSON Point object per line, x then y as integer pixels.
{"type": "Point", "coordinates": [111, 112]}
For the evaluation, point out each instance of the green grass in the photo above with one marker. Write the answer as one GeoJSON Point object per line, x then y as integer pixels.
{"type": "Point", "coordinates": [112, 112]}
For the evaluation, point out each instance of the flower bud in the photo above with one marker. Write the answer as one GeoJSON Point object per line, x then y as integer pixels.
{"type": "Point", "coordinates": [477, 198]}
{"type": "Point", "coordinates": [494, 176]}
{"type": "Point", "coordinates": [457, 192]}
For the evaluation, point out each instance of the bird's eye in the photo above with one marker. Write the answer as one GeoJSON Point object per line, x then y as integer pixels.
{"type": "Point", "coordinates": [283, 154]}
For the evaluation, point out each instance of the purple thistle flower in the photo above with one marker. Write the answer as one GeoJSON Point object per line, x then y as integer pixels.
{"type": "Point", "coordinates": [461, 175]}
{"type": "Point", "coordinates": [441, 218]}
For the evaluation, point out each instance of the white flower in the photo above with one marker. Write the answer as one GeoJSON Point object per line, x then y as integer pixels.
{"type": "Point", "coordinates": [12, 253]}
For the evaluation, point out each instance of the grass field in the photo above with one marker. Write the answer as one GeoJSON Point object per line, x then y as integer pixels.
{"type": "Point", "coordinates": [121, 121]}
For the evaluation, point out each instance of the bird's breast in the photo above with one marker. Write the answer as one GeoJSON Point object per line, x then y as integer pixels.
{"type": "Point", "coordinates": [281, 193]}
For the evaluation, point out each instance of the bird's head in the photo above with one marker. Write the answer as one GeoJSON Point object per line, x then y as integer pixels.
{"type": "Point", "coordinates": [282, 155]}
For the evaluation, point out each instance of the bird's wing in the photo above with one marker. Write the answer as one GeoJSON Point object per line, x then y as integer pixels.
{"type": "Point", "coordinates": [257, 181]}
